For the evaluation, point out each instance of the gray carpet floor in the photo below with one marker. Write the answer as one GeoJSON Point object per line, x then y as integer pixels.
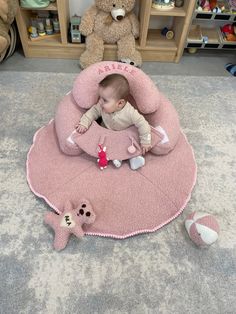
{"type": "Point", "coordinates": [203, 63]}
{"type": "Point", "coordinates": [161, 272]}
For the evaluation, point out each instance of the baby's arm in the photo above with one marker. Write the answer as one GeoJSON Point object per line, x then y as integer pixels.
{"type": "Point", "coordinates": [80, 128]}
{"type": "Point", "coordinates": [86, 120]}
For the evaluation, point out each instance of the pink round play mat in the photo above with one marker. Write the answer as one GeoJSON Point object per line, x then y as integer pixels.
{"type": "Point", "coordinates": [62, 166]}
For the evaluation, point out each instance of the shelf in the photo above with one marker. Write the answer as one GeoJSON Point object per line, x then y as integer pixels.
{"type": "Point", "coordinates": [212, 34]}
{"type": "Point", "coordinates": [52, 40]}
{"type": "Point", "coordinates": [211, 16]}
{"type": "Point", "coordinates": [73, 51]}
{"type": "Point", "coordinates": [172, 12]}
{"type": "Point", "coordinates": [205, 34]}
{"type": "Point", "coordinates": [51, 7]}
{"type": "Point", "coordinates": [156, 41]}
{"type": "Point", "coordinates": [152, 45]}
{"type": "Point", "coordinates": [226, 44]}
{"type": "Point", "coordinates": [215, 40]}
{"type": "Point", "coordinates": [195, 34]}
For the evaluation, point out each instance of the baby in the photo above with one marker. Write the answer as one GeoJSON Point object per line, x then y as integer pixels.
{"type": "Point", "coordinates": [118, 114]}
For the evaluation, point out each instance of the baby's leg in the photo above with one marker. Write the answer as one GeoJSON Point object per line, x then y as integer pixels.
{"type": "Point", "coordinates": [136, 162]}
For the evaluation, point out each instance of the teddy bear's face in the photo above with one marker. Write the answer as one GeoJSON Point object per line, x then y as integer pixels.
{"type": "Point", "coordinates": [85, 212]}
{"type": "Point", "coordinates": [109, 5]}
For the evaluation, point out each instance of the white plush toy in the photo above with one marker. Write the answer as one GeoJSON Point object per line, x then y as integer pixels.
{"type": "Point", "coordinates": [203, 229]}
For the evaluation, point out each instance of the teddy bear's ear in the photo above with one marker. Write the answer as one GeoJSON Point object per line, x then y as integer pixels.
{"type": "Point", "coordinates": [68, 205]}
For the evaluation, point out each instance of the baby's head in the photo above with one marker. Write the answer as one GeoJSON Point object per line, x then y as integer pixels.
{"type": "Point", "coordinates": [113, 92]}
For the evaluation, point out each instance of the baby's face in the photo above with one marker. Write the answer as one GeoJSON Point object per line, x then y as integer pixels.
{"type": "Point", "coordinates": [107, 101]}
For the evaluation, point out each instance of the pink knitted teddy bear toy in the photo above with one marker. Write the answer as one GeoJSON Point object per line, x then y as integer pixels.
{"type": "Point", "coordinates": [70, 222]}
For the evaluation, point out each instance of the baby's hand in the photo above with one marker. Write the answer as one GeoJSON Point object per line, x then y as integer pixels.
{"type": "Point", "coordinates": [80, 128]}
{"type": "Point", "coordinates": [145, 148]}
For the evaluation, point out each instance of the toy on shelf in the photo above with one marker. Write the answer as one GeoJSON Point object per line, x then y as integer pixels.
{"type": "Point", "coordinates": [41, 29]}
{"type": "Point", "coordinates": [34, 4]}
{"type": "Point", "coordinates": [215, 6]}
{"type": "Point", "coordinates": [179, 3]}
{"type": "Point", "coordinates": [169, 34]}
{"type": "Point", "coordinates": [70, 221]}
{"type": "Point", "coordinates": [44, 24]}
{"type": "Point", "coordinates": [204, 5]}
{"type": "Point", "coordinates": [203, 229]}
{"type": "Point", "coordinates": [56, 25]}
{"type": "Point", "coordinates": [228, 32]}
{"type": "Point", "coordinates": [220, 6]}
{"type": "Point", "coordinates": [74, 29]}
{"type": "Point", "coordinates": [232, 4]}
{"type": "Point", "coordinates": [48, 27]}
{"type": "Point", "coordinates": [102, 160]}
{"type": "Point", "coordinates": [33, 32]}
{"type": "Point", "coordinates": [163, 4]}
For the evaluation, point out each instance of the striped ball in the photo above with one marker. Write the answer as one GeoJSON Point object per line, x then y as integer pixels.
{"type": "Point", "coordinates": [203, 229]}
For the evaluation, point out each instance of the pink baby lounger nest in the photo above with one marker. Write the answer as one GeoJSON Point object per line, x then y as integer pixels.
{"type": "Point", "coordinates": [61, 164]}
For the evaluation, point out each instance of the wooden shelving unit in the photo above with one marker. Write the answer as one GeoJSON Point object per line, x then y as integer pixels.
{"type": "Point", "coordinates": [152, 44]}
{"type": "Point", "coordinates": [209, 24]}
{"type": "Point", "coordinates": [50, 7]}
{"type": "Point", "coordinates": [53, 47]}
{"type": "Point", "coordinates": [173, 12]}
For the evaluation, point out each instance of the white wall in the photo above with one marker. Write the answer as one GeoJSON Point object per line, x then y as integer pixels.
{"type": "Point", "coordinates": [79, 6]}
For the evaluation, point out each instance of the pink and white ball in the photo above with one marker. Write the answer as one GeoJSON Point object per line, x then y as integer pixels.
{"type": "Point", "coordinates": [203, 229]}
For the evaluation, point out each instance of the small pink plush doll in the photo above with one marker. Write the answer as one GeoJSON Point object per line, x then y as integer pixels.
{"type": "Point", "coordinates": [205, 5]}
{"type": "Point", "coordinates": [102, 160]}
{"type": "Point", "coordinates": [70, 222]}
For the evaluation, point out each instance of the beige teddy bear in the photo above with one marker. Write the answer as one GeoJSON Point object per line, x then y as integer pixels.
{"type": "Point", "coordinates": [110, 22]}
{"type": "Point", "coordinates": [8, 10]}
